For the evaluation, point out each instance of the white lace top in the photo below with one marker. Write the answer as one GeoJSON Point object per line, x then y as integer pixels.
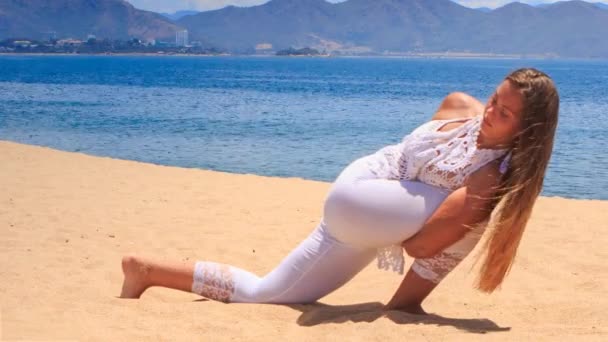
{"type": "Point", "coordinates": [443, 159]}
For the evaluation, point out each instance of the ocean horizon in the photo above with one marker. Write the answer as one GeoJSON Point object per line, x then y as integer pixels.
{"type": "Point", "coordinates": [277, 116]}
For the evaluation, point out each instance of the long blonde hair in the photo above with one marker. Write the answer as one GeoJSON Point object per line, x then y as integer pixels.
{"type": "Point", "coordinates": [523, 180]}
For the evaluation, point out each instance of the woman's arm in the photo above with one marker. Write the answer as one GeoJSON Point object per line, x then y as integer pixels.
{"type": "Point", "coordinates": [460, 211]}
{"type": "Point", "coordinates": [427, 271]}
{"type": "Point", "coordinates": [410, 294]}
{"type": "Point", "coordinates": [425, 274]}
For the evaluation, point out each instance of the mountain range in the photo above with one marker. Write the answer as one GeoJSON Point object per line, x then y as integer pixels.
{"type": "Point", "coordinates": [117, 19]}
{"type": "Point", "coordinates": [565, 29]}
{"type": "Point", "coordinates": [179, 14]}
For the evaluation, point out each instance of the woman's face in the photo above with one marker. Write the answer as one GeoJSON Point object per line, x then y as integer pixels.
{"type": "Point", "coordinates": [502, 116]}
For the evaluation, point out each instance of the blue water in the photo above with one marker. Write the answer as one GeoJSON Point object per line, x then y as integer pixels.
{"type": "Point", "coordinates": [301, 117]}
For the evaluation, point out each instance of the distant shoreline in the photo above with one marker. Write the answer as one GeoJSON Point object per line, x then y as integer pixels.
{"type": "Point", "coordinates": [429, 55]}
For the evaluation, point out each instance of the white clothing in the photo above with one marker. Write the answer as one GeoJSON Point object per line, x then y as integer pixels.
{"type": "Point", "coordinates": [374, 203]}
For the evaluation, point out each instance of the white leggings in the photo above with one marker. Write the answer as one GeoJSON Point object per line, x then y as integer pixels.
{"type": "Point", "coordinates": [361, 213]}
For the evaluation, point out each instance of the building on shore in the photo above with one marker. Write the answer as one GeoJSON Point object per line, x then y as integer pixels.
{"type": "Point", "coordinates": [181, 38]}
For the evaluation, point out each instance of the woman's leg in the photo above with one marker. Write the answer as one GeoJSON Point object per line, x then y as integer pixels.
{"type": "Point", "coordinates": [142, 273]}
{"type": "Point", "coordinates": [363, 213]}
{"type": "Point", "coordinates": [318, 266]}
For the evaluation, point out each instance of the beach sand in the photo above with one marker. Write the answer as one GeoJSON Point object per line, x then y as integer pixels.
{"type": "Point", "coordinates": [67, 218]}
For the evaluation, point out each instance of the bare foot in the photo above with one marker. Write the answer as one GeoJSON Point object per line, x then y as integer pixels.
{"type": "Point", "coordinates": [136, 274]}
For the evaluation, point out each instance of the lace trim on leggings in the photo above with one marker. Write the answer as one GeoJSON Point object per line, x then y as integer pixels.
{"type": "Point", "coordinates": [213, 281]}
{"type": "Point", "coordinates": [391, 258]}
{"type": "Point", "coordinates": [437, 267]}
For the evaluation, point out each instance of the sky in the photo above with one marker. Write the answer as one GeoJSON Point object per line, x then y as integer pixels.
{"type": "Point", "coordinates": [170, 6]}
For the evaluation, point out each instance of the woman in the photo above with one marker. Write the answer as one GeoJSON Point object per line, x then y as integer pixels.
{"type": "Point", "coordinates": [433, 194]}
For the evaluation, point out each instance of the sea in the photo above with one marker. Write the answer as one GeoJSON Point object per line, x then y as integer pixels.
{"type": "Point", "coordinates": [280, 116]}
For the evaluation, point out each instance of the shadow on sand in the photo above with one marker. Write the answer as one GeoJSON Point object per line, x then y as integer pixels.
{"type": "Point", "coordinates": [319, 313]}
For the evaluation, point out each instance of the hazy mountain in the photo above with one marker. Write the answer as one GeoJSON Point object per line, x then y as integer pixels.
{"type": "Point", "coordinates": [77, 18]}
{"type": "Point", "coordinates": [282, 23]}
{"type": "Point", "coordinates": [178, 15]}
{"type": "Point", "coordinates": [398, 25]}
{"type": "Point", "coordinates": [570, 28]}
{"type": "Point", "coordinates": [484, 9]}
{"type": "Point", "coordinates": [401, 25]}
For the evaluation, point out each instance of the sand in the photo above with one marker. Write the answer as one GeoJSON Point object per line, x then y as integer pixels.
{"type": "Point", "coordinates": [67, 218]}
